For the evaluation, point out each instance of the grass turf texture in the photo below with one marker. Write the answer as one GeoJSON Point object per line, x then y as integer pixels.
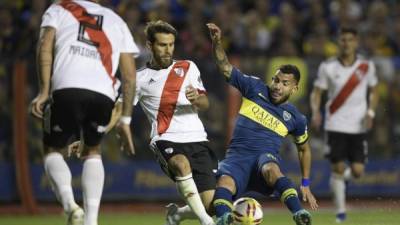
{"type": "Point", "coordinates": [364, 217]}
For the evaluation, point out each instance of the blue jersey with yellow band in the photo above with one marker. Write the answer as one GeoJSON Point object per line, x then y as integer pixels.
{"type": "Point", "coordinates": [261, 125]}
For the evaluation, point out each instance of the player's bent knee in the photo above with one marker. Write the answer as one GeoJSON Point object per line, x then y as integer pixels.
{"type": "Point", "coordinates": [357, 173]}
{"type": "Point", "coordinates": [271, 172]}
{"type": "Point", "coordinates": [227, 182]}
{"type": "Point", "coordinates": [179, 164]}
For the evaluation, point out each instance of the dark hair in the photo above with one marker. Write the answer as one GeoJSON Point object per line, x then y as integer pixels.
{"type": "Point", "coordinates": [351, 30]}
{"type": "Point", "coordinates": [291, 69]}
{"type": "Point", "coordinates": [159, 26]}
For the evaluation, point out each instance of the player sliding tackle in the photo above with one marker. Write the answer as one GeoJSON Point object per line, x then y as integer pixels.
{"type": "Point", "coordinates": [252, 161]}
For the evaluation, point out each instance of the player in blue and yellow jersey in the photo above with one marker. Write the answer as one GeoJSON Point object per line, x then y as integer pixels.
{"type": "Point", "coordinates": [265, 118]}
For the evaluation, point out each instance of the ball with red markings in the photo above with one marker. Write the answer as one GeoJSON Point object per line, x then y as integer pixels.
{"type": "Point", "coordinates": [247, 211]}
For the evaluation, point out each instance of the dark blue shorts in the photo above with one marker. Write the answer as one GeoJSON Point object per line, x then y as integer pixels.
{"type": "Point", "coordinates": [245, 169]}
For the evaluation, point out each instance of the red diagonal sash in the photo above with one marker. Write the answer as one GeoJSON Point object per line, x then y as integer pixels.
{"type": "Point", "coordinates": [170, 93]}
{"type": "Point", "coordinates": [96, 35]}
{"type": "Point", "coordinates": [348, 88]}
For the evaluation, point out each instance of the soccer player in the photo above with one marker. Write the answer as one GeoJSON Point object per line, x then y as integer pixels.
{"type": "Point", "coordinates": [348, 114]}
{"type": "Point", "coordinates": [171, 93]}
{"type": "Point", "coordinates": [80, 47]}
{"type": "Point", "coordinates": [265, 118]}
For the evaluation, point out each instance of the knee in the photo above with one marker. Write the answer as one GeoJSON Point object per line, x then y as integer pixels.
{"type": "Point", "coordinates": [357, 173]}
{"type": "Point", "coordinates": [339, 168]}
{"type": "Point", "coordinates": [179, 165]}
{"type": "Point", "coordinates": [271, 172]}
{"type": "Point", "coordinates": [227, 182]}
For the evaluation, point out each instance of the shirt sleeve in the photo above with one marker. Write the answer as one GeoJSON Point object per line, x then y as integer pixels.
{"type": "Point", "coordinates": [372, 78]}
{"type": "Point", "coordinates": [128, 44]}
{"type": "Point", "coordinates": [322, 77]}
{"type": "Point", "coordinates": [243, 82]}
{"type": "Point", "coordinates": [52, 16]}
{"type": "Point", "coordinates": [195, 78]}
{"type": "Point", "coordinates": [300, 132]}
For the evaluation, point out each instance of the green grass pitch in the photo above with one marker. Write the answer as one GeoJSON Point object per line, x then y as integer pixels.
{"type": "Point", "coordinates": [323, 217]}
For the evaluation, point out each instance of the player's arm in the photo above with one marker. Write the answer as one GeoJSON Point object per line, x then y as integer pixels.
{"type": "Point", "coordinates": [373, 99]}
{"type": "Point", "coordinates": [315, 102]}
{"type": "Point", "coordinates": [44, 62]}
{"type": "Point", "coordinates": [127, 68]}
{"type": "Point", "coordinates": [304, 152]}
{"type": "Point", "coordinates": [198, 100]}
{"type": "Point", "coordinates": [220, 57]}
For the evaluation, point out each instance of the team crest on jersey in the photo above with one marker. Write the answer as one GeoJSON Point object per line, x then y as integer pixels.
{"type": "Point", "coordinates": [179, 72]}
{"type": "Point", "coordinates": [286, 116]}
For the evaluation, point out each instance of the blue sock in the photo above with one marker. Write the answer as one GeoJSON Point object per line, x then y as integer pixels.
{"type": "Point", "coordinates": [222, 201]}
{"type": "Point", "coordinates": [288, 194]}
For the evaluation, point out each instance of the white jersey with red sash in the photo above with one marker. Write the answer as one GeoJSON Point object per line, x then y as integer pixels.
{"type": "Point", "coordinates": [89, 40]}
{"type": "Point", "coordinates": [347, 93]}
{"type": "Point", "coordinates": [161, 94]}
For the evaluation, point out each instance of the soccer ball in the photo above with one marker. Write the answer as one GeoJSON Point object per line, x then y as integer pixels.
{"type": "Point", "coordinates": [247, 211]}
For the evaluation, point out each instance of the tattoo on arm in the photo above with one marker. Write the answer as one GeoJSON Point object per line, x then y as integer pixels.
{"type": "Point", "coordinates": [221, 60]}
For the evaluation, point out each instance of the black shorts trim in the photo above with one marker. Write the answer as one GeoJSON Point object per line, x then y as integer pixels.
{"type": "Point", "coordinates": [202, 160]}
{"type": "Point", "coordinates": [74, 112]}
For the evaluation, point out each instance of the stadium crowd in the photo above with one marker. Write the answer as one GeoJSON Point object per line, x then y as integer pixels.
{"type": "Point", "coordinates": [259, 34]}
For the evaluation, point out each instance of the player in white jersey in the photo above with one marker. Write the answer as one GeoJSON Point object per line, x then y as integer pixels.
{"type": "Point", "coordinates": [80, 47]}
{"type": "Point", "coordinates": [171, 93]}
{"type": "Point", "coordinates": [348, 113]}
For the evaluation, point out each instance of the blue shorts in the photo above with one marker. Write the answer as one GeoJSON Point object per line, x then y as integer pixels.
{"type": "Point", "coordinates": [246, 170]}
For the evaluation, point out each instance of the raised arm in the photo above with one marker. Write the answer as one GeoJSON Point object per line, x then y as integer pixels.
{"type": "Point", "coordinates": [44, 62]}
{"type": "Point", "coordinates": [220, 57]}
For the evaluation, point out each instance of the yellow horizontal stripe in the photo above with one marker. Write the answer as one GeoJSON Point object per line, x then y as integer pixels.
{"type": "Point", "coordinates": [301, 139]}
{"type": "Point", "coordinates": [289, 192]}
{"type": "Point", "coordinates": [261, 116]}
{"type": "Point", "coordinates": [222, 202]}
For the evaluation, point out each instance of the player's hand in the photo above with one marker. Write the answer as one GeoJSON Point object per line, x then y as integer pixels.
{"type": "Point", "coordinates": [369, 120]}
{"type": "Point", "coordinates": [125, 135]}
{"type": "Point", "coordinates": [37, 105]}
{"type": "Point", "coordinates": [75, 149]}
{"type": "Point", "coordinates": [316, 121]}
{"type": "Point", "coordinates": [191, 94]}
{"type": "Point", "coordinates": [308, 197]}
{"type": "Point", "coordinates": [215, 32]}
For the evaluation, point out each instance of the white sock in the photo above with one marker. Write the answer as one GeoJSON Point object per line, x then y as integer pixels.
{"type": "Point", "coordinates": [92, 188]}
{"type": "Point", "coordinates": [187, 188]}
{"type": "Point", "coordinates": [60, 179]}
{"type": "Point", "coordinates": [347, 174]}
{"type": "Point", "coordinates": [338, 188]}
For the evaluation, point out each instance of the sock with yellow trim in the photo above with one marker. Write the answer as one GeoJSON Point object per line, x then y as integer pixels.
{"type": "Point", "coordinates": [222, 201]}
{"type": "Point", "coordinates": [288, 194]}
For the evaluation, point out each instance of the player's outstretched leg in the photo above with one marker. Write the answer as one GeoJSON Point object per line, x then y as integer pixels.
{"type": "Point", "coordinates": [288, 194]}
{"type": "Point", "coordinates": [188, 189]}
{"type": "Point", "coordinates": [92, 187]}
{"type": "Point", "coordinates": [60, 178]}
{"type": "Point", "coordinates": [223, 206]}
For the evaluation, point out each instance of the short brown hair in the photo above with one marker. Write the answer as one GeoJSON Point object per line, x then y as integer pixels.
{"type": "Point", "coordinates": [159, 26]}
